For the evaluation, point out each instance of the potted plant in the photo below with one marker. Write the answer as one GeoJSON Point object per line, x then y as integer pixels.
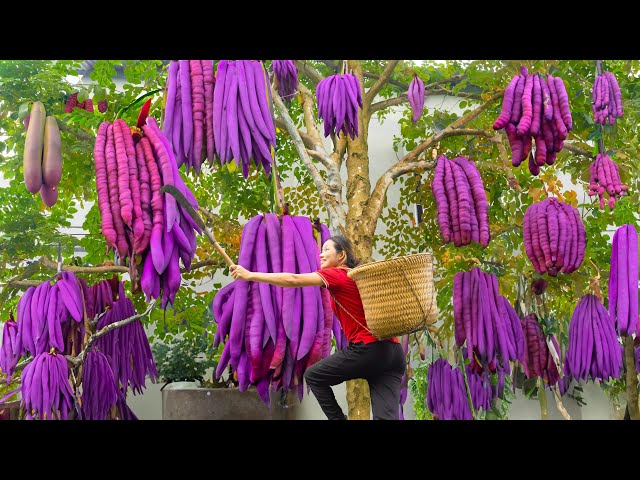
{"type": "Point", "coordinates": [191, 392]}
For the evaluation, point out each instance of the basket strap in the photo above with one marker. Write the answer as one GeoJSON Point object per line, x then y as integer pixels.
{"type": "Point", "coordinates": [349, 313]}
{"type": "Point", "coordinates": [404, 274]}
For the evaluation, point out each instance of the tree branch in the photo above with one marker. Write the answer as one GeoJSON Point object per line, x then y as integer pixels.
{"type": "Point", "coordinates": [308, 101]}
{"type": "Point", "coordinates": [332, 203]}
{"type": "Point", "coordinates": [429, 91]}
{"type": "Point", "coordinates": [322, 158]}
{"type": "Point", "coordinates": [76, 361]}
{"type": "Point", "coordinates": [379, 83]}
{"type": "Point", "coordinates": [409, 163]}
{"type": "Point", "coordinates": [49, 264]}
{"type": "Point", "coordinates": [80, 135]}
{"type": "Point", "coordinates": [310, 72]}
{"type": "Point", "coordinates": [498, 139]}
{"type": "Point", "coordinates": [578, 150]}
{"type": "Point", "coordinates": [390, 102]}
{"type": "Point", "coordinates": [340, 148]}
{"type": "Point", "coordinates": [306, 138]}
{"type": "Point", "coordinates": [79, 359]}
{"type": "Point", "coordinates": [335, 66]}
{"type": "Point", "coordinates": [454, 78]}
{"type": "Point", "coordinates": [209, 262]}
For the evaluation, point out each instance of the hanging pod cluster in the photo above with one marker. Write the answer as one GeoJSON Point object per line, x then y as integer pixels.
{"type": "Point", "coordinates": [447, 394]}
{"type": "Point", "coordinates": [554, 237]}
{"type": "Point", "coordinates": [228, 116]}
{"type": "Point", "coordinates": [463, 210]}
{"type": "Point", "coordinates": [339, 101]}
{"type": "Point", "coordinates": [45, 331]}
{"type": "Point", "coordinates": [287, 75]}
{"type": "Point", "coordinates": [42, 157]}
{"type": "Point", "coordinates": [485, 321]}
{"type": "Point", "coordinates": [272, 334]}
{"type": "Point", "coordinates": [594, 350]}
{"type": "Point", "coordinates": [623, 280]}
{"type": "Point", "coordinates": [537, 359]}
{"type": "Point", "coordinates": [416, 97]}
{"type": "Point", "coordinates": [605, 177]}
{"type": "Point", "coordinates": [137, 220]}
{"type": "Point", "coordinates": [607, 99]}
{"type": "Point", "coordinates": [535, 107]}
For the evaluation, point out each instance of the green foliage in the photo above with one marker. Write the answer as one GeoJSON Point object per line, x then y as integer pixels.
{"type": "Point", "coordinates": [418, 387]}
{"type": "Point", "coordinates": [183, 360]}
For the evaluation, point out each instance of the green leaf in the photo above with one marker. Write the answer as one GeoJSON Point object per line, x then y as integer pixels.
{"type": "Point", "coordinates": [24, 110]}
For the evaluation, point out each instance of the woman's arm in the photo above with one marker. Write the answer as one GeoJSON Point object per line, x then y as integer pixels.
{"type": "Point", "coordinates": [280, 279]}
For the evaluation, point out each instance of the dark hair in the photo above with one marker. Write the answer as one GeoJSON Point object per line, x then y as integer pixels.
{"type": "Point", "coordinates": [343, 244]}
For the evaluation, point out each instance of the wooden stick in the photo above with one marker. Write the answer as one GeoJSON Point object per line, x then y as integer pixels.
{"type": "Point", "coordinates": [184, 203]}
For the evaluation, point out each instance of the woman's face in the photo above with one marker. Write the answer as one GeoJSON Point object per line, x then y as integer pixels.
{"type": "Point", "coordinates": [329, 257]}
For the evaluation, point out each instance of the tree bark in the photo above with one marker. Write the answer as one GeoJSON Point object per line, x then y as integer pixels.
{"type": "Point", "coordinates": [358, 188]}
{"type": "Point", "coordinates": [631, 378]}
{"type": "Point", "coordinates": [358, 180]}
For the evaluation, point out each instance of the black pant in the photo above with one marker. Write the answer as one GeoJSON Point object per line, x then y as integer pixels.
{"type": "Point", "coordinates": [382, 364]}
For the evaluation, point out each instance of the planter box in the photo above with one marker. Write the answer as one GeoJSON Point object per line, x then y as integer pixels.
{"type": "Point", "coordinates": [10, 410]}
{"type": "Point", "coordinates": [194, 403]}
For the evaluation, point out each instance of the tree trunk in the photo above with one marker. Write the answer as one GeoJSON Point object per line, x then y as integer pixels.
{"type": "Point", "coordinates": [632, 378]}
{"type": "Point", "coordinates": [358, 190]}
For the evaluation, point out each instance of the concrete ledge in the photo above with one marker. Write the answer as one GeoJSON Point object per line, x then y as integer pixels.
{"type": "Point", "coordinates": [224, 404]}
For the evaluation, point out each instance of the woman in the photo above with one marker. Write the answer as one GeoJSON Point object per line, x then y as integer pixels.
{"type": "Point", "coordinates": [381, 363]}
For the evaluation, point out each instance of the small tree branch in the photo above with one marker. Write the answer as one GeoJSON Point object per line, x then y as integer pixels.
{"type": "Point", "coordinates": [297, 141]}
{"type": "Point", "coordinates": [339, 150]}
{"type": "Point", "coordinates": [24, 284]}
{"type": "Point", "coordinates": [51, 265]}
{"type": "Point", "coordinates": [80, 135]}
{"type": "Point", "coordinates": [429, 90]}
{"type": "Point", "coordinates": [322, 158]}
{"type": "Point", "coordinates": [390, 102]}
{"type": "Point", "coordinates": [310, 72]}
{"type": "Point", "coordinates": [555, 355]}
{"type": "Point", "coordinates": [379, 83]}
{"type": "Point", "coordinates": [308, 102]}
{"type": "Point", "coordinates": [578, 150]}
{"type": "Point", "coordinates": [335, 66]}
{"type": "Point", "coordinates": [209, 262]}
{"type": "Point", "coordinates": [559, 404]}
{"type": "Point", "coordinates": [79, 360]}
{"type": "Point", "coordinates": [498, 139]}
{"type": "Point", "coordinates": [306, 138]}
{"type": "Point", "coordinates": [331, 201]}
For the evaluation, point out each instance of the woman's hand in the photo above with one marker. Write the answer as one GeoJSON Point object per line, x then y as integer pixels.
{"type": "Point", "coordinates": [238, 272]}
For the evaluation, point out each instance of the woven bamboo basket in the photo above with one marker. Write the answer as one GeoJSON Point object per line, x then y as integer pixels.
{"type": "Point", "coordinates": [398, 295]}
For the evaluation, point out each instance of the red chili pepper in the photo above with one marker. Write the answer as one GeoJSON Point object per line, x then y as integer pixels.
{"type": "Point", "coordinates": [144, 113]}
